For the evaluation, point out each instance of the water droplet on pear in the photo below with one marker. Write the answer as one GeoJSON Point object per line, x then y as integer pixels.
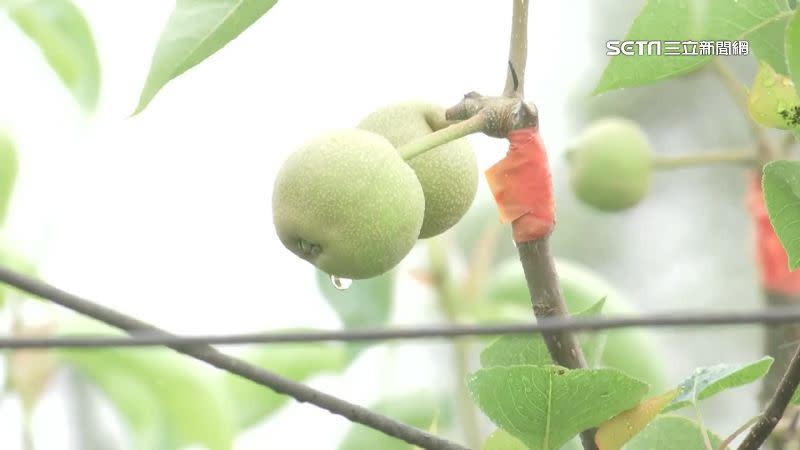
{"type": "Point", "coordinates": [341, 283]}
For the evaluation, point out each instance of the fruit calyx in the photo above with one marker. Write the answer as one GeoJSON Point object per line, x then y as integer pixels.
{"type": "Point", "coordinates": [308, 249]}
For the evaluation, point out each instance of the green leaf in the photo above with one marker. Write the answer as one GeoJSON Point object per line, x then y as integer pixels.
{"type": "Point", "coordinates": [593, 344]}
{"type": "Point", "coordinates": [793, 51]}
{"type": "Point", "coordinates": [634, 351]}
{"type": "Point", "coordinates": [795, 400]}
{"type": "Point", "coordinates": [9, 168]}
{"type": "Point", "coordinates": [516, 350]}
{"type": "Point", "coordinates": [136, 403]}
{"type": "Point", "coordinates": [196, 30]}
{"type": "Point", "coordinates": [191, 399]}
{"type": "Point", "coordinates": [782, 197]}
{"type": "Point", "coordinates": [501, 440]}
{"type": "Point", "coordinates": [616, 431]}
{"type": "Point", "coordinates": [546, 406]}
{"type": "Point", "coordinates": [772, 100]}
{"type": "Point", "coordinates": [365, 304]}
{"type": "Point", "coordinates": [194, 404]}
{"type": "Point", "coordinates": [709, 381]}
{"type": "Point", "coordinates": [767, 40]}
{"type": "Point", "coordinates": [672, 433]}
{"type": "Point", "coordinates": [417, 409]}
{"type": "Point", "coordinates": [64, 37]}
{"type": "Point", "coordinates": [760, 22]}
{"type": "Point", "coordinates": [297, 362]}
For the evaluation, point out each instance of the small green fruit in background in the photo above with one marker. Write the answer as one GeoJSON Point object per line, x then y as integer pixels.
{"type": "Point", "coordinates": [610, 164]}
{"type": "Point", "coordinates": [347, 203]}
{"type": "Point", "coordinates": [632, 351]}
{"type": "Point", "coordinates": [448, 173]}
{"type": "Point", "coordinates": [773, 100]}
{"type": "Point", "coordinates": [9, 166]}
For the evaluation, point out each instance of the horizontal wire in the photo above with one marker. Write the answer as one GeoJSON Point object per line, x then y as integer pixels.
{"type": "Point", "coordinates": [277, 383]}
{"type": "Point", "coordinates": [767, 316]}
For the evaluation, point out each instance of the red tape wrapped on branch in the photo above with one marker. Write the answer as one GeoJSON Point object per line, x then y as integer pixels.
{"type": "Point", "coordinates": [523, 188]}
{"type": "Point", "coordinates": [773, 263]}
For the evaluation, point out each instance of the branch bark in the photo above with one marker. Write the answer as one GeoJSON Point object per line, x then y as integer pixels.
{"type": "Point", "coordinates": [537, 262]}
{"type": "Point", "coordinates": [208, 354]}
{"type": "Point", "coordinates": [548, 301]}
{"type": "Point", "coordinates": [775, 344]}
{"type": "Point", "coordinates": [775, 407]}
{"type": "Point", "coordinates": [518, 51]}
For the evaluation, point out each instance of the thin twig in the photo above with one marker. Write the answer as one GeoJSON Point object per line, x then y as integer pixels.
{"type": "Point", "coordinates": [727, 442]}
{"type": "Point", "coordinates": [298, 391]}
{"type": "Point", "coordinates": [775, 407]}
{"type": "Point", "coordinates": [450, 133]}
{"type": "Point", "coordinates": [518, 51]}
{"type": "Point", "coordinates": [702, 425]}
{"type": "Point", "coordinates": [443, 285]}
{"type": "Point", "coordinates": [768, 316]}
{"type": "Point", "coordinates": [676, 161]}
{"type": "Point", "coordinates": [787, 143]}
{"type": "Point", "coordinates": [736, 89]}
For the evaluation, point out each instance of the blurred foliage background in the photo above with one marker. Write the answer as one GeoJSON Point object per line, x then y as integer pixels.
{"type": "Point", "coordinates": [166, 215]}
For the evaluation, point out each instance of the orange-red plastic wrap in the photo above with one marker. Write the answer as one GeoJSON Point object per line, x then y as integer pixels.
{"type": "Point", "coordinates": [523, 188]}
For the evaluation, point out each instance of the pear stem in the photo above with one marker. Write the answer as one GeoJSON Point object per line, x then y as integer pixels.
{"type": "Point", "coordinates": [701, 159]}
{"type": "Point", "coordinates": [474, 124]}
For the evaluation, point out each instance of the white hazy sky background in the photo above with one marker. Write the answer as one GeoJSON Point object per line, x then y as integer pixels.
{"type": "Point", "coordinates": [167, 215]}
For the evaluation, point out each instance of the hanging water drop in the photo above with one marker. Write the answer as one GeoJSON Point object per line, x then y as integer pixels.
{"type": "Point", "coordinates": [341, 283]}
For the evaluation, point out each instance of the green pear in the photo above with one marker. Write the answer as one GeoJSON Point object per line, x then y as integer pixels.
{"type": "Point", "coordinates": [611, 164]}
{"type": "Point", "coordinates": [448, 173]}
{"type": "Point", "coordinates": [347, 203]}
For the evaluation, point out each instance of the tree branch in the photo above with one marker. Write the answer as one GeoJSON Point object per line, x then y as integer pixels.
{"type": "Point", "coordinates": [537, 262]}
{"type": "Point", "coordinates": [775, 407]}
{"type": "Point", "coordinates": [548, 301]}
{"type": "Point", "coordinates": [775, 345]}
{"type": "Point", "coordinates": [518, 51]}
{"type": "Point", "coordinates": [208, 354]}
